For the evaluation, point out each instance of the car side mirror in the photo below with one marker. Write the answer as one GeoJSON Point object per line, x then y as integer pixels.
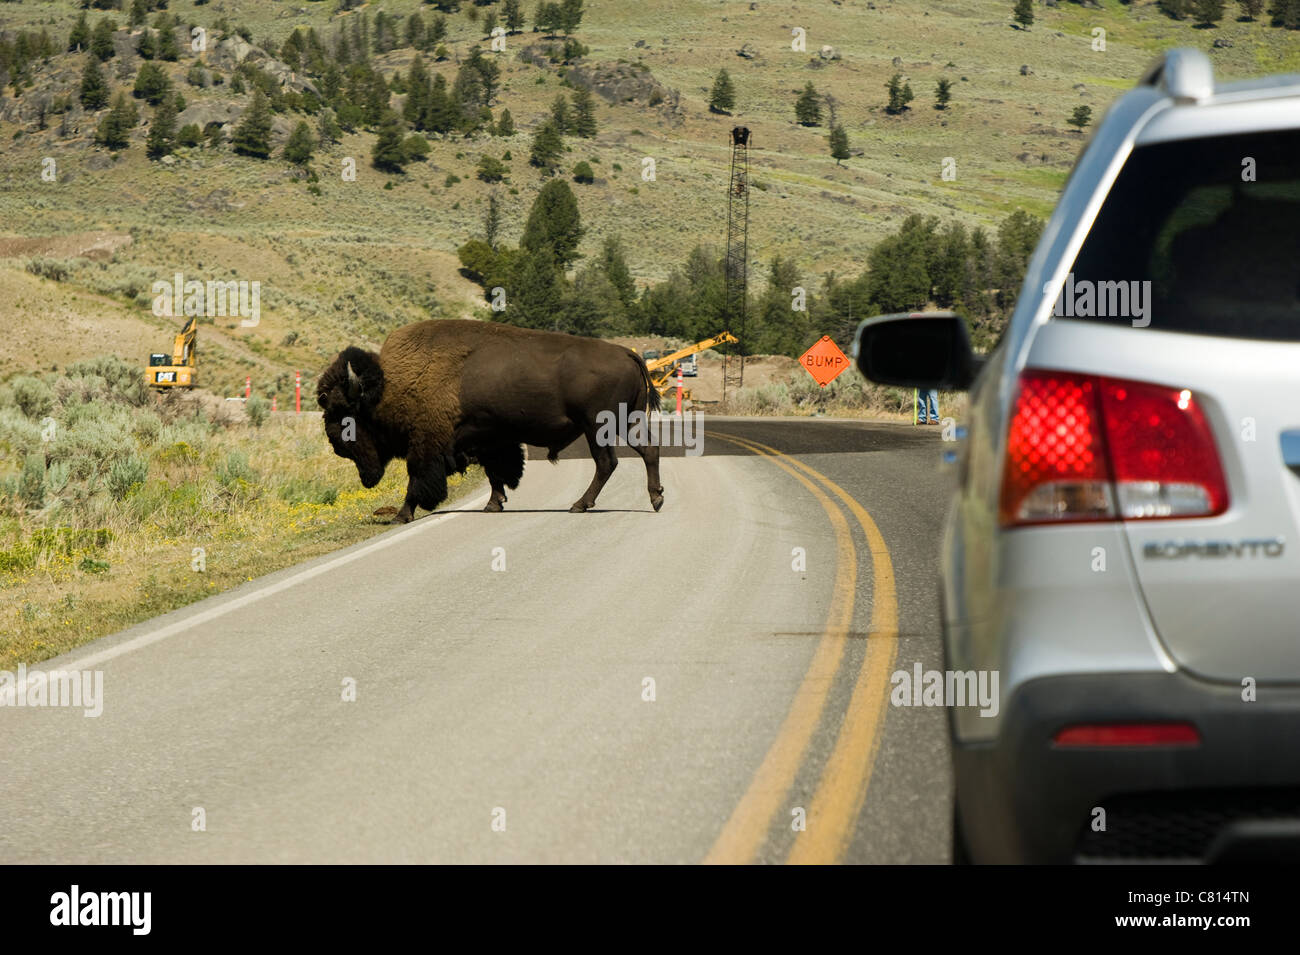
{"type": "Point", "coordinates": [917, 350]}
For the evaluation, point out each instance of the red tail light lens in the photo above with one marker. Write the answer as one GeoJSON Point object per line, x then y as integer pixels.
{"type": "Point", "coordinates": [1086, 448]}
{"type": "Point", "coordinates": [1128, 734]}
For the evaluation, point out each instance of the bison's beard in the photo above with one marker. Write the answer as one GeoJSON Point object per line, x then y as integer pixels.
{"type": "Point", "coordinates": [370, 473]}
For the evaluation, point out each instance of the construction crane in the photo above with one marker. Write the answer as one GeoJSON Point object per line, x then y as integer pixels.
{"type": "Point", "coordinates": [737, 264]}
{"type": "Point", "coordinates": [181, 371]}
{"type": "Point", "coordinates": [661, 369]}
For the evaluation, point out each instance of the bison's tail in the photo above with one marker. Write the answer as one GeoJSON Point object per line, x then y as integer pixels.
{"type": "Point", "coordinates": [652, 393]}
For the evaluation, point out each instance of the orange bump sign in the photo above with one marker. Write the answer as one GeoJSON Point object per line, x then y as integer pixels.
{"type": "Point", "coordinates": [824, 361]}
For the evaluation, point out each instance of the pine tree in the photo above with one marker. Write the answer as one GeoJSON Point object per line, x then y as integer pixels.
{"type": "Point", "coordinates": [300, 146]}
{"type": "Point", "coordinates": [1081, 117]}
{"type": "Point", "coordinates": [492, 220]}
{"type": "Point", "coordinates": [505, 124]}
{"type": "Point", "coordinates": [388, 153]}
{"type": "Point", "coordinates": [614, 264]}
{"type": "Point", "coordinates": [570, 16]}
{"type": "Point", "coordinates": [79, 38]}
{"type": "Point", "coordinates": [152, 84]}
{"type": "Point", "coordinates": [101, 40]}
{"type": "Point", "coordinates": [443, 115]}
{"type": "Point", "coordinates": [808, 107]}
{"type": "Point", "coordinates": [584, 113]}
{"type": "Point", "coordinates": [554, 223]}
{"type": "Point", "coordinates": [162, 131]}
{"type": "Point", "coordinates": [329, 127]}
{"type": "Point", "coordinates": [168, 48]}
{"type": "Point", "coordinates": [723, 97]}
{"type": "Point", "coordinates": [839, 140]}
{"type": "Point", "coordinates": [538, 296]}
{"type": "Point", "coordinates": [115, 128]}
{"type": "Point", "coordinates": [560, 114]}
{"type": "Point", "coordinates": [547, 147]}
{"type": "Point", "coordinates": [900, 94]}
{"type": "Point", "coordinates": [1024, 13]}
{"type": "Point", "coordinates": [942, 93]}
{"type": "Point", "coordinates": [513, 13]}
{"type": "Point", "coordinates": [252, 136]}
{"type": "Point", "coordinates": [416, 107]}
{"type": "Point", "coordinates": [1208, 11]}
{"type": "Point", "coordinates": [94, 91]}
{"type": "Point", "coordinates": [1251, 9]}
{"type": "Point", "coordinates": [139, 12]}
{"type": "Point", "coordinates": [147, 45]}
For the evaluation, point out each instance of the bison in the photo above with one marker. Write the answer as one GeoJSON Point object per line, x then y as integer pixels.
{"type": "Point", "coordinates": [444, 394]}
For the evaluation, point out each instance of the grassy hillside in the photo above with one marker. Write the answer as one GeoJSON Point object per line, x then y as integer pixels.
{"type": "Point", "coordinates": [365, 256]}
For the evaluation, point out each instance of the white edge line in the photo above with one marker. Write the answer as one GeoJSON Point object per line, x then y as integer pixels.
{"type": "Point", "coordinates": [145, 639]}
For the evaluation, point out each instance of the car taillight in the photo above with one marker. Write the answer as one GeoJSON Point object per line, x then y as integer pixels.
{"type": "Point", "coordinates": [1127, 734]}
{"type": "Point", "coordinates": [1088, 448]}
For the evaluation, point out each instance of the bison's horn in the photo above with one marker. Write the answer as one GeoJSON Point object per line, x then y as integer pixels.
{"type": "Point", "coordinates": [354, 381]}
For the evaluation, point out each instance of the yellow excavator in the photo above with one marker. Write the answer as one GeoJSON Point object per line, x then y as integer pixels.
{"type": "Point", "coordinates": [661, 368]}
{"type": "Point", "coordinates": [179, 370]}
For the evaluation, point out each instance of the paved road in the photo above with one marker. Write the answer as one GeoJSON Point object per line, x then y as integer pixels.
{"type": "Point", "coordinates": [501, 665]}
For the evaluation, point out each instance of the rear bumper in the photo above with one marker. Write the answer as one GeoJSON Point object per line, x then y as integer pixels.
{"type": "Point", "coordinates": [1234, 796]}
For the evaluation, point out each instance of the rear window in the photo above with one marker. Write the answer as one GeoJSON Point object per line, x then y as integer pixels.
{"type": "Point", "coordinates": [1186, 242]}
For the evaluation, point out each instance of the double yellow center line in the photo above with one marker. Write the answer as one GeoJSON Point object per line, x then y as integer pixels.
{"type": "Point", "coordinates": [842, 787]}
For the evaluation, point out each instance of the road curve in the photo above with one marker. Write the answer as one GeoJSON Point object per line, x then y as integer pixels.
{"type": "Point", "coordinates": [502, 664]}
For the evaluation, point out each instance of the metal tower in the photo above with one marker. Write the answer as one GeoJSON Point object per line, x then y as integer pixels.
{"type": "Point", "coordinates": [737, 264]}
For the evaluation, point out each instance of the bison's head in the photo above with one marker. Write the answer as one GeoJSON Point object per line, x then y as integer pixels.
{"type": "Point", "coordinates": [348, 392]}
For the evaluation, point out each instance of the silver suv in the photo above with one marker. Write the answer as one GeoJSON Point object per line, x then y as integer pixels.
{"type": "Point", "coordinates": [1122, 547]}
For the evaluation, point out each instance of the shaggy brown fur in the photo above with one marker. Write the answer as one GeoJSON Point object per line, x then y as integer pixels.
{"type": "Point", "coordinates": [442, 394]}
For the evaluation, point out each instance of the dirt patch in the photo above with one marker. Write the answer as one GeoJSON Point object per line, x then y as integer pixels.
{"type": "Point", "coordinates": [81, 245]}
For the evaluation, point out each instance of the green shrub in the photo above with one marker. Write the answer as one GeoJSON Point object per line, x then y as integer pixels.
{"type": "Point", "coordinates": [33, 396]}
{"type": "Point", "coordinates": [126, 473]}
{"type": "Point", "coordinates": [31, 484]}
{"type": "Point", "coordinates": [49, 269]}
{"type": "Point", "coordinates": [257, 408]}
{"type": "Point", "coordinates": [583, 173]}
{"type": "Point", "coordinates": [236, 470]}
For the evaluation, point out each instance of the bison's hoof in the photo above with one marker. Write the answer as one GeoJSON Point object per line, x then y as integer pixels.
{"type": "Point", "coordinates": [493, 507]}
{"type": "Point", "coordinates": [401, 517]}
{"type": "Point", "coordinates": [578, 508]}
{"type": "Point", "coordinates": [657, 501]}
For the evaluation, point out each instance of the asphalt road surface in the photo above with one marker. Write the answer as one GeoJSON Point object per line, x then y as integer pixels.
{"type": "Point", "coordinates": [538, 686]}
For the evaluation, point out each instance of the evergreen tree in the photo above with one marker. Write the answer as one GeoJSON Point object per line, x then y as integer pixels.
{"type": "Point", "coordinates": [94, 91]}
{"type": "Point", "coordinates": [505, 124]}
{"type": "Point", "coordinates": [1024, 13]}
{"type": "Point", "coordinates": [388, 153]}
{"type": "Point", "coordinates": [1081, 117]}
{"type": "Point", "coordinates": [513, 13]}
{"type": "Point", "coordinates": [101, 40]}
{"type": "Point", "coordinates": [168, 48]}
{"type": "Point", "coordinates": [560, 114]}
{"type": "Point", "coordinates": [415, 31]}
{"type": "Point", "coordinates": [162, 131]}
{"type": "Point", "coordinates": [553, 223]}
{"type": "Point", "coordinates": [1208, 11]}
{"type": "Point", "coordinates": [329, 127]}
{"type": "Point", "coordinates": [300, 146]}
{"type": "Point", "coordinates": [942, 93]}
{"type": "Point", "coordinates": [139, 13]}
{"type": "Point", "coordinates": [537, 291]}
{"type": "Point", "coordinates": [900, 94]}
{"type": "Point", "coordinates": [79, 38]}
{"type": "Point", "coordinates": [614, 264]}
{"type": "Point", "coordinates": [723, 97]}
{"type": "Point", "coordinates": [152, 84]}
{"type": "Point", "coordinates": [252, 136]}
{"type": "Point", "coordinates": [808, 107]}
{"type": "Point", "coordinates": [492, 220]}
{"type": "Point", "coordinates": [147, 45]}
{"type": "Point", "coordinates": [1251, 9]}
{"type": "Point", "coordinates": [839, 140]}
{"type": "Point", "coordinates": [114, 129]}
{"type": "Point", "coordinates": [570, 16]}
{"type": "Point", "coordinates": [547, 147]}
{"type": "Point", "coordinates": [583, 121]}
{"type": "Point", "coordinates": [443, 115]}
{"type": "Point", "coordinates": [416, 107]}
